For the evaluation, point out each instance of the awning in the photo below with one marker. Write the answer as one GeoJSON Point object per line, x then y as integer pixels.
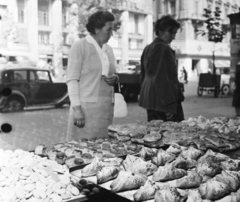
{"type": "Point", "coordinates": [222, 63]}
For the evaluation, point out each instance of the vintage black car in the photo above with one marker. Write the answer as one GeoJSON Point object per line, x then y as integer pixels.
{"type": "Point", "coordinates": [21, 87]}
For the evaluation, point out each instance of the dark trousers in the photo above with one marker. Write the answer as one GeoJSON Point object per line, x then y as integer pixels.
{"type": "Point", "coordinates": [159, 115]}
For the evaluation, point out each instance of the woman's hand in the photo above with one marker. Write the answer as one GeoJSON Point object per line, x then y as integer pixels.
{"type": "Point", "coordinates": [78, 116]}
{"type": "Point", "coordinates": [111, 80]}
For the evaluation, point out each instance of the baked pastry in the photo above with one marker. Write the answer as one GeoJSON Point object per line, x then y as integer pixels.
{"type": "Point", "coordinates": [127, 181]}
{"type": "Point", "coordinates": [213, 189]}
{"type": "Point", "coordinates": [180, 162]}
{"type": "Point", "coordinates": [194, 196]}
{"type": "Point", "coordinates": [92, 168]}
{"type": "Point", "coordinates": [163, 157]}
{"type": "Point", "coordinates": [230, 164]}
{"type": "Point", "coordinates": [191, 153]}
{"type": "Point", "coordinates": [112, 161]}
{"type": "Point", "coordinates": [232, 197]}
{"type": "Point", "coordinates": [231, 178]}
{"type": "Point", "coordinates": [191, 180]}
{"type": "Point", "coordinates": [168, 172]}
{"type": "Point", "coordinates": [145, 192]}
{"type": "Point", "coordinates": [105, 174]}
{"type": "Point", "coordinates": [137, 165]}
{"type": "Point", "coordinates": [168, 194]}
{"type": "Point", "coordinates": [152, 137]}
{"type": "Point", "coordinates": [209, 169]}
{"type": "Point", "coordinates": [147, 153]}
{"type": "Point", "coordinates": [213, 156]}
{"type": "Point", "coordinates": [175, 149]}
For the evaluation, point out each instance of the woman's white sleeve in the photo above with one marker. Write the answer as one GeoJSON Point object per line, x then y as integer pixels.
{"type": "Point", "coordinates": [73, 73]}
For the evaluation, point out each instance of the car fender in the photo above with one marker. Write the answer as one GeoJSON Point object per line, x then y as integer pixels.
{"type": "Point", "coordinates": [61, 99]}
{"type": "Point", "coordinates": [18, 93]}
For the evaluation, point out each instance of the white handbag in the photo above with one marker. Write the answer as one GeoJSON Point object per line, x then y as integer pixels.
{"type": "Point", "coordinates": [120, 106]}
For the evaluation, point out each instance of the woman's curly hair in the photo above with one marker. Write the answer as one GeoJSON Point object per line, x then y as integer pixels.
{"type": "Point", "coordinates": [98, 20]}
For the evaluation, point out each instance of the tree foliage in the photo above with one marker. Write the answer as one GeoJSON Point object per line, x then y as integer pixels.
{"type": "Point", "coordinates": [213, 24]}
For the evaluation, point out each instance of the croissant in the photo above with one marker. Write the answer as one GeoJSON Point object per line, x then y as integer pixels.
{"type": "Point", "coordinates": [137, 165]}
{"type": "Point", "coordinates": [127, 181]}
{"type": "Point", "coordinates": [213, 156]}
{"type": "Point", "coordinates": [192, 153]}
{"type": "Point", "coordinates": [192, 180]}
{"type": "Point", "coordinates": [230, 178]}
{"type": "Point", "coordinates": [147, 153]}
{"type": "Point", "coordinates": [194, 196]}
{"type": "Point", "coordinates": [180, 162]}
{"type": "Point", "coordinates": [213, 189]}
{"type": "Point", "coordinates": [233, 197]}
{"type": "Point", "coordinates": [208, 168]}
{"type": "Point", "coordinates": [92, 168]}
{"type": "Point", "coordinates": [230, 164]}
{"type": "Point", "coordinates": [106, 174]}
{"type": "Point", "coordinates": [175, 149]}
{"type": "Point", "coordinates": [145, 192]}
{"type": "Point", "coordinates": [168, 194]}
{"type": "Point", "coordinates": [163, 157]}
{"type": "Point", "coordinates": [168, 172]}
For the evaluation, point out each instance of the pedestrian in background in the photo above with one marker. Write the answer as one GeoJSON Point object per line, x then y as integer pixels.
{"type": "Point", "coordinates": [185, 75]}
{"type": "Point", "coordinates": [160, 92]}
{"type": "Point", "coordinates": [236, 95]}
{"type": "Point", "coordinates": [90, 80]}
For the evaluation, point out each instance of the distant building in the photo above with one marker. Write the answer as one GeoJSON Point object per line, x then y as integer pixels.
{"type": "Point", "coordinates": [194, 51]}
{"type": "Point", "coordinates": [40, 29]}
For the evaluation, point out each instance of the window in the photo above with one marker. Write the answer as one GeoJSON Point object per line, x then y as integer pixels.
{"type": "Point", "coordinates": [64, 13]}
{"type": "Point", "coordinates": [136, 24]}
{"type": "Point", "coordinates": [21, 11]}
{"type": "Point", "coordinates": [42, 76]}
{"type": "Point", "coordinates": [135, 43]}
{"type": "Point", "coordinates": [181, 4]}
{"type": "Point", "coordinates": [20, 76]}
{"type": "Point", "coordinates": [172, 7]}
{"type": "Point", "coordinates": [43, 12]}
{"type": "Point", "coordinates": [43, 37]}
{"type": "Point", "coordinates": [196, 4]}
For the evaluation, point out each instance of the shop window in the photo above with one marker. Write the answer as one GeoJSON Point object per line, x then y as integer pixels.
{"type": "Point", "coordinates": [43, 37]}
{"type": "Point", "coordinates": [43, 12]}
{"type": "Point", "coordinates": [172, 7]}
{"type": "Point", "coordinates": [21, 11]}
{"type": "Point", "coordinates": [181, 4]}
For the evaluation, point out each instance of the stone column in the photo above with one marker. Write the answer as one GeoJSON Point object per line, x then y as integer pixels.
{"type": "Point", "coordinates": [57, 36]}
{"type": "Point", "coordinates": [32, 23]}
{"type": "Point", "coordinates": [149, 29]}
{"type": "Point", "coordinates": [125, 45]}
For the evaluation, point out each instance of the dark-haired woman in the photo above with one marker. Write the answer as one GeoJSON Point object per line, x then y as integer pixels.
{"type": "Point", "coordinates": [160, 91]}
{"type": "Point", "coordinates": [90, 79]}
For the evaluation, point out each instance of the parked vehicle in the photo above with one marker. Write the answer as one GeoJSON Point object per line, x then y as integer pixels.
{"type": "Point", "coordinates": [29, 86]}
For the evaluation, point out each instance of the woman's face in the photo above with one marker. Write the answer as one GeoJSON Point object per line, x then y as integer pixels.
{"type": "Point", "coordinates": [105, 33]}
{"type": "Point", "coordinates": [168, 36]}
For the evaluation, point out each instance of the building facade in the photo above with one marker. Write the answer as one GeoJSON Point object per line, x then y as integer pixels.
{"type": "Point", "coordinates": [45, 29]}
{"type": "Point", "coordinates": [194, 51]}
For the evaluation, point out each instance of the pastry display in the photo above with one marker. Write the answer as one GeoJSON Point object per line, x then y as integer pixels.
{"type": "Point", "coordinates": [105, 174]}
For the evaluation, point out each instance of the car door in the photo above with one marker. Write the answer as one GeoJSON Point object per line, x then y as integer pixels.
{"type": "Point", "coordinates": [41, 87]}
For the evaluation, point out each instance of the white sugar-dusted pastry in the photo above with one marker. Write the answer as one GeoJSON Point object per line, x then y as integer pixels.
{"type": "Point", "coordinates": [168, 172]}
{"type": "Point", "coordinates": [168, 194]}
{"type": "Point", "coordinates": [163, 157]}
{"type": "Point", "coordinates": [145, 192]}
{"type": "Point", "coordinates": [138, 165]}
{"type": "Point", "coordinates": [191, 180]}
{"type": "Point", "coordinates": [107, 173]}
{"type": "Point", "coordinates": [127, 181]}
{"type": "Point", "coordinates": [194, 196]}
{"type": "Point", "coordinates": [213, 156]}
{"type": "Point", "coordinates": [230, 164]}
{"type": "Point", "coordinates": [232, 197]}
{"type": "Point", "coordinates": [192, 153]}
{"type": "Point", "coordinates": [208, 169]}
{"type": "Point", "coordinates": [213, 189]}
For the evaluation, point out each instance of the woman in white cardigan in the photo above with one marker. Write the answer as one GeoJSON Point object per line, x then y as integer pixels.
{"type": "Point", "coordinates": [90, 80]}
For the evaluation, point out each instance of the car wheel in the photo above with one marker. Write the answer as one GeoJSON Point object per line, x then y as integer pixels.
{"type": "Point", "coordinates": [216, 91]}
{"type": "Point", "coordinates": [225, 89]}
{"type": "Point", "coordinates": [13, 105]}
{"type": "Point", "coordinates": [200, 91]}
{"type": "Point", "coordinates": [131, 94]}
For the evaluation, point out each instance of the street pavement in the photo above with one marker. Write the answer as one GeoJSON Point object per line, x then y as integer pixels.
{"type": "Point", "coordinates": [44, 126]}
